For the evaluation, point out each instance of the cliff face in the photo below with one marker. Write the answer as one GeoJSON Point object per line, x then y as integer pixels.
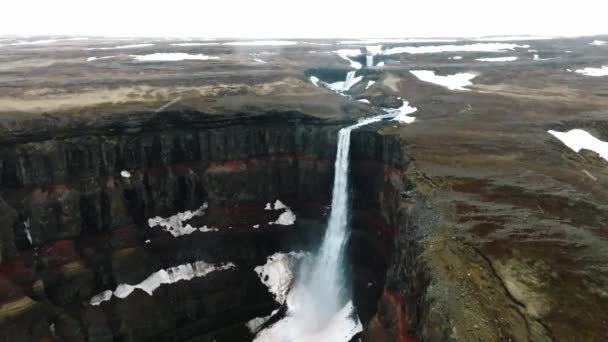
{"type": "Point", "coordinates": [75, 212]}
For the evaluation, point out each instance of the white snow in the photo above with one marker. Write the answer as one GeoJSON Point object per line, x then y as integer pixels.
{"type": "Point", "coordinates": [314, 80]}
{"type": "Point", "coordinates": [279, 205]}
{"type": "Point", "coordinates": [369, 84]}
{"type": "Point", "coordinates": [256, 226]}
{"type": "Point", "coordinates": [174, 224]}
{"type": "Point", "coordinates": [194, 44]}
{"type": "Point", "coordinates": [286, 218]}
{"type": "Point", "coordinates": [263, 43]}
{"type": "Point", "coordinates": [401, 113]}
{"type": "Point", "coordinates": [120, 47]}
{"type": "Point", "coordinates": [158, 278]}
{"type": "Point", "coordinates": [512, 38]}
{"type": "Point", "coordinates": [101, 297]}
{"type": "Point", "coordinates": [277, 273]}
{"type": "Point", "coordinates": [364, 101]}
{"type": "Point", "coordinates": [172, 57]}
{"type": "Point", "coordinates": [497, 59]}
{"type": "Point", "coordinates": [394, 41]}
{"type": "Point", "coordinates": [578, 139]}
{"type": "Point", "coordinates": [478, 47]}
{"type": "Point", "coordinates": [603, 71]}
{"type": "Point", "coordinates": [255, 324]}
{"type": "Point", "coordinates": [346, 53]}
{"type": "Point", "coordinates": [537, 58]}
{"type": "Point", "coordinates": [380, 64]}
{"type": "Point", "coordinates": [452, 82]}
{"type": "Point", "coordinates": [598, 42]}
{"type": "Point", "coordinates": [259, 60]}
{"type": "Point", "coordinates": [268, 205]}
{"type": "Point", "coordinates": [342, 327]}
{"type": "Point", "coordinates": [456, 57]}
{"type": "Point", "coordinates": [91, 59]}
{"type": "Point", "coordinates": [374, 49]}
{"type": "Point", "coordinates": [26, 228]}
{"type": "Point", "coordinates": [125, 174]}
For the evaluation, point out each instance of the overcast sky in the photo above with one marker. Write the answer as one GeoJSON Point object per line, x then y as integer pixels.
{"type": "Point", "coordinates": [304, 18]}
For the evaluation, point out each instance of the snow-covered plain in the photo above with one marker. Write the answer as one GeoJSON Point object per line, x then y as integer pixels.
{"type": "Point", "coordinates": [194, 44]}
{"type": "Point", "coordinates": [578, 139]}
{"type": "Point", "coordinates": [164, 276]}
{"type": "Point", "coordinates": [172, 57]}
{"type": "Point", "coordinates": [120, 47]}
{"type": "Point", "coordinates": [262, 43]}
{"type": "Point", "coordinates": [453, 82]}
{"type": "Point", "coordinates": [603, 71]}
{"type": "Point", "coordinates": [478, 47]}
{"type": "Point", "coordinates": [497, 59]}
{"type": "Point", "coordinates": [395, 41]}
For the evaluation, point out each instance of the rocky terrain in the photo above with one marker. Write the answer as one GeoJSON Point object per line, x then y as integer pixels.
{"type": "Point", "coordinates": [471, 223]}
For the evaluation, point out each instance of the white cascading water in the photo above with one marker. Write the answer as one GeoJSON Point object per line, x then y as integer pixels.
{"type": "Point", "coordinates": [321, 288]}
{"type": "Point", "coordinates": [350, 79]}
{"type": "Point", "coordinates": [318, 307]}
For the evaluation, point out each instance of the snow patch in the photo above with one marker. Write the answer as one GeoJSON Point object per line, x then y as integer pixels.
{"type": "Point", "coordinates": [125, 174]}
{"type": "Point", "coordinates": [598, 42]}
{"type": "Point", "coordinates": [456, 57]}
{"type": "Point", "coordinates": [259, 60]}
{"type": "Point", "coordinates": [603, 71]}
{"type": "Point", "coordinates": [452, 82]}
{"type": "Point", "coordinates": [394, 41]}
{"type": "Point", "coordinates": [120, 47]}
{"type": "Point", "coordinates": [286, 218]}
{"type": "Point", "coordinates": [578, 139]}
{"type": "Point", "coordinates": [172, 57]}
{"type": "Point", "coordinates": [279, 205]}
{"type": "Point", "coordinates": [479, 47]}
{"type": "Point", "coordinates": [380, 64]}
{"type": "Point", "coordinates": [91, 59]}
{"type": "Point", "coordinates": [164, 276]}
{"type": "Point", "coordinates": [194, 44]}
{"type": "Point", "coordinates": [402, 113]}
{"type": "Point", "coordinates": [364, 101]}
{"type": "Point", "coordinates": [255, 324]}
{"type": "Point", "coordinates": [256, 226]}
{"type": "Point", "coordinates": [512, 38]}
{"type": "Point", "coordinates": [497, 59]}
{"type": "Point", "coordinates": [277, 273]}
{"type": "Point", "coordinates": [369, 84]}
{"type": "Point", "coordinates": [314, 80]}
{"type": "Point", "coordinates": [263, 43]}
{"type": "Point", "coordinates": [175, 224]}
{"type": "Point", "coordinates": [268, 206]}
{"type": "Point", "coordinates": [346, 53]}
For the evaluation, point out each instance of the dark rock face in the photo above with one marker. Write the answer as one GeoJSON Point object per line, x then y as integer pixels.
{"type": "Point", "coordinates": [87, 221]}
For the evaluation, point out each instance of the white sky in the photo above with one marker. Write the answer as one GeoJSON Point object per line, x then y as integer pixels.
{"type": "Point", "coordinates": [303, 18]}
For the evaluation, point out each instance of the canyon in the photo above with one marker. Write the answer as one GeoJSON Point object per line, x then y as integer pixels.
{"type": "Point", "coordinates": [138, 198]}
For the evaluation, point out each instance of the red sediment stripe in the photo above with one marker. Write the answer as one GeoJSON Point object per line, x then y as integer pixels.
{"type": "Point", "coordinates": [395, 299]}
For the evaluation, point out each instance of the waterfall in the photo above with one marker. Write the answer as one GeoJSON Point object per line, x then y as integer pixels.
{"type": "Point", "coordinates": [350, 80]}
{"type": "Point", "coordinates": [322, 281]}
{"type": "Point", "coordinates": [369, 59]}
{"type": "Point", "coordinates": [318, 305]}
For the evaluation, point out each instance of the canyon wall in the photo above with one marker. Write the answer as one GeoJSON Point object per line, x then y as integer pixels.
{"type": "Point", "coordinates": [75, 205]}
